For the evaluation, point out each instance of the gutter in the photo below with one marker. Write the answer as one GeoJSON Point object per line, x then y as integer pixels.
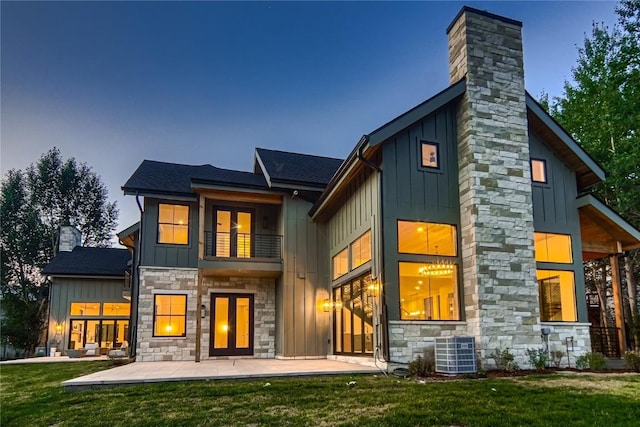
{"type": "Point", "coordinates": [135, 286]}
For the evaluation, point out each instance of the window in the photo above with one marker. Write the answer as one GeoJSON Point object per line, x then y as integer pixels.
{"type": "Point", "coordinates": [170, 315]}
{"type": "Point", "coordinates": [426, 238]}
{"type": "Point", "coordinates": [556, 292]}
{"type": "Point", "coordinates": [430, 154]}
{"type": "Point", "coordinates": [538, 170]}
{"type": "Point", "coordinates": [361, 250]}
{"type": "Point", "coordinates": [428, 291]}
{"type": "Point", "coordinates": [173, 224]}
{"type": "Point", "coordinates": [85, 309]}
{"type": "Point", "coordinates": [116, 309]}
{"type": "Point", "coordinates": [553, 248]}
{"type": "Point", "coordinates": [233, 235]}
{"type": "Point", "coordinates": [107, 333]}
{"type": "Point", "coordinates": [353, 317]}
{"type": "Point", "coordinates": [341, 263]}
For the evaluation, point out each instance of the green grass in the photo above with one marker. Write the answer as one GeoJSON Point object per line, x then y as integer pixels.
{"type": "Point", "coordinates": [31, 395]}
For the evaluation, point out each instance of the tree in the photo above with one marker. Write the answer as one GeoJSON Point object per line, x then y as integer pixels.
{"type": "Point", "coordinates": [33, 206]}
{"type": "Point", "coordinates": [601, 109]}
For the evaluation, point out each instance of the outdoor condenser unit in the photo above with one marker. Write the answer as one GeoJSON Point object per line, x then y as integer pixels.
{"type": "Point", "coordinates": [456, 355]}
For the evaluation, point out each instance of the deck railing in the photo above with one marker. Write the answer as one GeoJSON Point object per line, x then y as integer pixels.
{"type": "Point", "coordinates": [242, 245]}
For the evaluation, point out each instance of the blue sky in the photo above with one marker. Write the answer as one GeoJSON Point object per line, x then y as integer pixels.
{"type": "Point", "coordinates": [112, 84]}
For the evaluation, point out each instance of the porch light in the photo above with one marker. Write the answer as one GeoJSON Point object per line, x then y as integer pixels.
{"type": "Point", "coordinates": [203, 311]}
{"type": "Point", "coordinates": [327, 305]}
{"type": "Point", "coordinates": [59, 328]}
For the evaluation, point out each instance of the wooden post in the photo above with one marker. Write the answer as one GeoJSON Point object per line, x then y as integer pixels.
{"type": "Point", "coordinates": [618, 307]}
{"type": "Point", "coordinates": [198, 315]}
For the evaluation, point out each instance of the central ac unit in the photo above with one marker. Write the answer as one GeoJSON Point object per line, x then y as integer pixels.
{"type": "Point", "coordinates": [456, 355]}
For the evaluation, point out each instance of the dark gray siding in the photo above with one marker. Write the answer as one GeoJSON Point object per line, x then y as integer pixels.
{"type": "Point", "coordinates": [302, 329]}
{"type": "Point", "coordinates": [555, 211]}
{"type": "Point", "coordinates": [163, 255]}
{"type": "Point", "coordinates": [411, 192]}
{"type": "Point", "coordinates": [67, 290]}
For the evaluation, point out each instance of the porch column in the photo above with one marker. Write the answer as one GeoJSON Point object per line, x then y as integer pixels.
{"type": "Point", "coordinates": [618, 306]}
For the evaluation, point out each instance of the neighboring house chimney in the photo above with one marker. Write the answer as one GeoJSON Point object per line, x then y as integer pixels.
{"type": "Point", "coordinates": [70, 237]}
{"type": "Point", "coordinates": [499, 269]}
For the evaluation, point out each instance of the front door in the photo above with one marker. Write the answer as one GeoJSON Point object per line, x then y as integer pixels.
{"type": "Point", "coordinates": [231, 325]}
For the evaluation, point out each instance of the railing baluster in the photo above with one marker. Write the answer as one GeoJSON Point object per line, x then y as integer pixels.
{"type": "Point", "coordinates": [247, 245]}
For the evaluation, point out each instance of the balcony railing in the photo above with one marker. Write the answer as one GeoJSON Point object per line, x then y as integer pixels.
{"type": "Point", "coordinates": [242, 245]}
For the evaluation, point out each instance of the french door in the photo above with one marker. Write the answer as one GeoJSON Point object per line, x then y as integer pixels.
{"type": "Point", "coordinates": [233, 233]}
{"type": "Point", "coordinates": [231, 325]}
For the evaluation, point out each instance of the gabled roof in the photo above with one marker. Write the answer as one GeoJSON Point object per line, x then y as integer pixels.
{"type": "Point", "coordinates": [154, 177]}
{"type": "Point", "coordinates": [84, 261]}
{"type": "Point", "coordinates": [588, 171]}
{"type": "Point", "coordinates": [291, 170]}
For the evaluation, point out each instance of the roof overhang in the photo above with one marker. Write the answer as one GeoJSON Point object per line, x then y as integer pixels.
{"type": "Point", "coordinates": [588, 171]}
{"type": "Point", "coordinates": [184, 197]}
{"type": "Point", "coordinates": [238, 194]}
{"type": "Point", "coordinates": [603, 231]}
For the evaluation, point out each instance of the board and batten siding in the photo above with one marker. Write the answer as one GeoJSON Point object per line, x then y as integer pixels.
{"type": "Point", "coordinates": [412, 192]}
{"type": "Point", "coordinates": [167, 255]}
{"type": "Point", "coordinates": [64, 291]}
{"type": "Point", "coordinates": [302, 328]}
{"type": "Point", "coordinates": [555, 211]}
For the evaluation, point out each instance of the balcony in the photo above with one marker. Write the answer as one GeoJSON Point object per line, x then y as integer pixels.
{"type": "Point", "coordinates": [244, 254]}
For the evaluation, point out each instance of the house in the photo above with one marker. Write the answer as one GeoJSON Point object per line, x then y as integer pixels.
{"type": "Point", "coordinates": [89, 295]}
{"type": "Point", "coordinates": [468, 215]}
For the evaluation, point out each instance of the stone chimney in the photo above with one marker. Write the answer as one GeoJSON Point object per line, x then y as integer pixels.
{"type": "Point", "coordinates": [70, 237]}
{"type": "Point", "coordinates": [499, 269]}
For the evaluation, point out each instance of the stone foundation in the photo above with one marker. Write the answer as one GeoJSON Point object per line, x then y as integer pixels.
{"type": "Point", "coordinates": [158, 280]}
{"type": "Point", "coordinates": [264, 312]}
{"type": "Point", "coordinates": [408, 340]}
{"type": "Point", "coordinates": [558, 340]}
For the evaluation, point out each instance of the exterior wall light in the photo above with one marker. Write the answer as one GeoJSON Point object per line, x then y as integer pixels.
{"type": "Point", "coordinates": [59, 328]}
{"type": "Point", "coordinates": [327, 305]}
{"type": "Point", "coordinates": [203, 311]}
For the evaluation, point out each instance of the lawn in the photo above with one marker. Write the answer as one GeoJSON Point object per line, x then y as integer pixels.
{"type": "Point", "coordinates": [31, 396]}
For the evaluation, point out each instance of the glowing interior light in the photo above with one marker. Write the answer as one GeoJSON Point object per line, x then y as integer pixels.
{"type": "Point", "coordinates": [169, 328]}
{"type": "Point", "coordinates": [420, 229]}
{"type": "Point", "coordinates": [224, 327]}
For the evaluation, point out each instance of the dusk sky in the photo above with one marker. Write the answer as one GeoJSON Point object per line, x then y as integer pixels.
{"type": "Point", "coordinates": [112, 84]}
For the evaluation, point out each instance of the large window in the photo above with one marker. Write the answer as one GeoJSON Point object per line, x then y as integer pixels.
{"type": "Point", "coordinates": [556, 292]}
{"type": "Point", "coordinates": [361, 250]}
{"type": "Point", "coordinates": [85, 309]}
{"type": "Point", "coordinates": [341, 263]}
{"type": "Point", "coordinates": [425, 238]}
{"type": "Point", "coordinates": [170, 315]}
{"type": "Point", "coordinates": [107, 333]}
{"type": "Point", "coordinates": [353, 317]}
{"type": "Point", "coordinates": [428, 291]}
{"type": "Point", "coordinates": [173, 224]}
{"type": "Point", "coordinates": [553, 248]}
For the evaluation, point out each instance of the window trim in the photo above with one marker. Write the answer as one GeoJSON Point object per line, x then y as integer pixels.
{"type": "Point", "coordinates": [421, 164]}
{"type": "Point", "coordinates": [544, 167]}
{"type": "Point", "coordinates": [158, 223]}
{"type": "Point", "coordinates": [155, 315]}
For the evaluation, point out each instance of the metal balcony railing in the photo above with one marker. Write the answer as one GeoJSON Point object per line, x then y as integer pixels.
{"type": "Point", "coordinates": [242, 245]}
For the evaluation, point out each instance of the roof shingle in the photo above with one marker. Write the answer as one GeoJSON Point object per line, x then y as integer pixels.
{"type": "Point", "coordinates": [85, 261]}
{"type": "Point", "coordinates": [284, 166]}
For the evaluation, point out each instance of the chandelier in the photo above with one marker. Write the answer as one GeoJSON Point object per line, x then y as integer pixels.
{"type": "Point", "coordinates": [440, 268]}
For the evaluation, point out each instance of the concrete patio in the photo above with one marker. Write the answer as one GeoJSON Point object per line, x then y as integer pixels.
{"type": "Point", "coordinates": [154, 372]}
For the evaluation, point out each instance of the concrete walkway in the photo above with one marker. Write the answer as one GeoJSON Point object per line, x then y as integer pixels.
{"type": "Point", "coordinates": [153, 372]}
{"type": "Point", "coordinates": [59, 359]}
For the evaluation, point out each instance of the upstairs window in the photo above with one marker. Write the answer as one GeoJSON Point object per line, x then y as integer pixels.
{"type": "Point", "coordinates": [173, 224]}
{"type": "Point", "coordinates": [538, 170]}
{"type": "Point", "coordinates": [341, 263]}
{"type": "Point", "coordinates": [361, 250]}
{"type": "Point", "coordinates": [430, 155]}
{"type": "Point", "coordinates": [85, 309]}
{"type": "Point", "coordinates": [116, 309]}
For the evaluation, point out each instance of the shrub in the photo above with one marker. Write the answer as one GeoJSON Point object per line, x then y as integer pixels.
{"type": "Point", "coordinates": [556, 357]}
{"type": "Point", "coordinates": [538, 358]}
{"type": "Point", "coordinates": [595, 361]}
{"type": "Point", "coordinates": [423, 366]}
{"type": "Point", "coordinates": [632, 359]}
{"type": "Point", "coordinates": [505, 361]}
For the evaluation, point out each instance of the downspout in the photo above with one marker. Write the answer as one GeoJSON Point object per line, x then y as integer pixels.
{"type": "Point", "coordinates": [382, 320]}
{"type": "Point", "coordinates": [135, 286]}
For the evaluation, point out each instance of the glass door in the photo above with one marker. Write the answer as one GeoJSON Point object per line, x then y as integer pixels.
{"type": "Point", "coordinates": [234, 233]}
{"type": "Point", "coordinates": [231, 325]}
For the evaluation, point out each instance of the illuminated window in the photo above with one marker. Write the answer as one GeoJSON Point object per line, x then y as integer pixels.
{"type": "Point", "coordinates": [361, 250]}
{"type": "Point", "coordinates": [428, 291]}
{"type": "Point", "coordinates": [556, 293]}
{"type": "Point", "coordinates": [341, 264]}
{"type": "Point", "coordinates": [116, 309]}
{"type": "Point", "coordinates": [426, 238]}
{"type": "Point", "coordinates": [538, 170]}
{"type": "Point", "coordinates": [170, 315]}
{"type": "Point", "coordinates": [353, 316]}
{"type": "Point", "coordinates": [85, 309]}
{"type": "Point", "coordinates": [553, 248]}
{"type": "Point", "coordinates": [430, 155]}
{"type": "Point", "coordinates": [173, 224]}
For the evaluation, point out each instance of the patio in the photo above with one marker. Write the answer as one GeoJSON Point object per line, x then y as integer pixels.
{"type": "Point", "coordinates": [153, 372]}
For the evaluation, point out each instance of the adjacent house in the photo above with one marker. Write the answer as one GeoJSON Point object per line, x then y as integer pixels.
{"type": "Point", "coordinates": [468, 215]}
{"type": "Point", "coordinates": [89, 295]}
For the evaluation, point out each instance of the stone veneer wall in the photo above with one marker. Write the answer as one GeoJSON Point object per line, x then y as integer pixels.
{"type": "Point", "coordinates": [557, 340]}
{"type": "Point", "coordinates": [154, 280]}
{"type": "Point", "coordinates": [409, 339]}
{"type": "Point", "coordinates": [264, 312]}
{"type": "Point", "coordinates": [499, 269]}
